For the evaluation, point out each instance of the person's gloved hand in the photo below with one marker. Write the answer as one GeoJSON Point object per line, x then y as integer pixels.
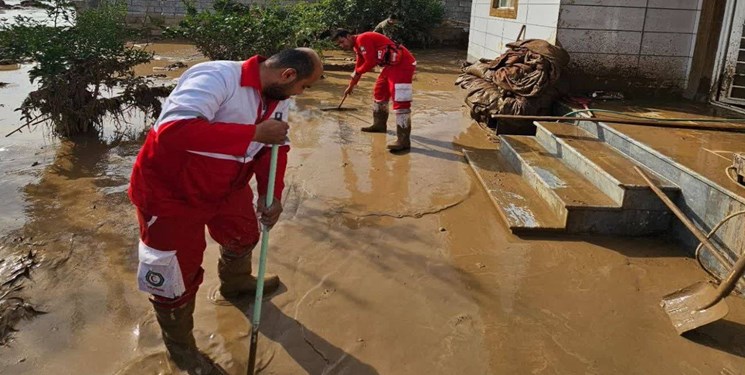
{"type": "Point", "coordinates": [268, 216]}
{"type": "Point", "coordinates": [349, 90]}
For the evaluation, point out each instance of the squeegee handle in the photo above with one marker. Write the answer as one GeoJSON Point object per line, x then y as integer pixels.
{"type": "Point", "coordinates": [256, 317]}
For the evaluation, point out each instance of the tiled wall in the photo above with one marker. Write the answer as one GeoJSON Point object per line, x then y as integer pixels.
{"type": "Point", "coordinates": [613, 42]}
{"type": "Point", "coordinates": [641, 42]}
{"type": "Point", "coordinates": [489, 35]}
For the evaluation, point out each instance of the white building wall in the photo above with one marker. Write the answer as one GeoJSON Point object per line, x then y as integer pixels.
{"type": "Point", "coordinates": [635, 41]}
{"type": "Point", "coordinates": [489, 35]}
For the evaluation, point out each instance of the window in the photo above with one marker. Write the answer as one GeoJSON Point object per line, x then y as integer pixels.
{"type": "Point", "coordinates": [503, 9]}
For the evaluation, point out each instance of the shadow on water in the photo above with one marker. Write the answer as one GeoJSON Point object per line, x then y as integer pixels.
{"type": "Point", "coordinates": [313, 353]}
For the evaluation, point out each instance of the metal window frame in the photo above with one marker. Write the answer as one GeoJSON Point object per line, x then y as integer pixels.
{"type": "Point", "coordinates": [496, 11]}
{"type": "Point", "coordinates": [728, 51]}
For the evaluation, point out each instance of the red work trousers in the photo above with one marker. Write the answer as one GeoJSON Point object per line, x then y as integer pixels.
{"type": "Point", "coordinates": [234, 226]}
{"type": "Point", "coordinates": [395, 81]}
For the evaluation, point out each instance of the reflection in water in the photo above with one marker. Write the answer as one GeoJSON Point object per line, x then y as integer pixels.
{"type": "Point", "coordinates": [388, 183]}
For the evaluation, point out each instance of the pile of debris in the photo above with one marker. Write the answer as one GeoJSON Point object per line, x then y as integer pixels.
{"type": "Point", "coordinates": [519, 82]}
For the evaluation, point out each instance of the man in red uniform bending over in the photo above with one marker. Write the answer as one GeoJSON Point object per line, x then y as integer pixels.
{"type": "Point", "coordinates": [394, 80]}
{"type": "Point", "coordinates": [212, 136]}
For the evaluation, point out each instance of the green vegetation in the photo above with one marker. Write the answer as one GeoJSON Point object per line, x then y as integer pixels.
{"type": "Point", "coordinates": [233, 31]}
{"type": "Point", "coordinates": [83, 67]}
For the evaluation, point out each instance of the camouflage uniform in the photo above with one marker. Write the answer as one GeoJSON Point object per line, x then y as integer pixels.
{"type": "Point", "coordinates": [388, 29]}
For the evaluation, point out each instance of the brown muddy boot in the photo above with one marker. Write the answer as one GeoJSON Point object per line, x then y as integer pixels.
{"type": "Point", "coordinates": [176, 325]}
{"type": "Point", "coordinates": [380, 119]}
{"type": "Point", "coordinates": [235, 276]}
{"type": "Point", "coordinates": [403, 132]}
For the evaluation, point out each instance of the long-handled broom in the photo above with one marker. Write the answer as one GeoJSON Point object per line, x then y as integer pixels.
{"type": "Point", "coordinates": [256, 317]}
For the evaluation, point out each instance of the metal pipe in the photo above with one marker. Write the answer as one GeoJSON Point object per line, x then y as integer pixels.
{"type": "Point", "coordinates": [662, 124]}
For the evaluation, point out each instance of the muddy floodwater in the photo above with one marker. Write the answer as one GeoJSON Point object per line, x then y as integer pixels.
{"type": "Point", "coordinates": [390, 264]}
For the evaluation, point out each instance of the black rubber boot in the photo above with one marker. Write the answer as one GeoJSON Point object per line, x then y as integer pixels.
{"type": "Point", "coordinates": [236, 280]}
{"type": "Point", "coordinates": [176, 326]}
{"type": "Point", "coordinates": [380, 119]}
{"type": "Point", "coordinates": [403, 133]}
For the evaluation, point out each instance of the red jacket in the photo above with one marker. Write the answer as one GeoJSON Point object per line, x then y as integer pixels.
{"type": "Point", "coordinates": [201, 149]}
{"type": "Point", "coordinates": [372, 48]}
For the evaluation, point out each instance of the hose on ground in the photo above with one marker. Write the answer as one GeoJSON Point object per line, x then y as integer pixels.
{"type": "Point", "coordinates": [592, 111]}
{"type": "Point", "coordinates": [711, 233]}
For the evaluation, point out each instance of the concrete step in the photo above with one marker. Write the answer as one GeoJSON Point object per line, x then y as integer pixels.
{"type": "Point", "coordinates": [582, 206]}
{"type": "Point", "coordinates": [693, 160]}
{"type": "Point", "coordinates": [602, 165]}
{"type": "Point", "coordinates": [558, 185]}
{"type": "Point", "coordinates": [517, 203]}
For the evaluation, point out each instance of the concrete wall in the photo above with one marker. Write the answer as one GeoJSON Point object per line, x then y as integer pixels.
{"type": "Point", "coordinates": [173, 10]}
{"type": "Point", "coordinates": [489, 35]}
{"type": "Point", "coordinates": [458, 10]}
{"type": "Point", "coordinates": [640, 42]}
{"type": "Point", "coordinates": [169, 11]}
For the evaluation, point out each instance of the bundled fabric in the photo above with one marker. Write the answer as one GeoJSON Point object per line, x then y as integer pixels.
{"type": "Point", "coordinates": [519, 82]}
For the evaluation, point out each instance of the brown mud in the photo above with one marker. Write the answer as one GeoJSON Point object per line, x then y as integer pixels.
{"type": "Point", "coordinates": [166, 59]}
{"type": "Point", "coordinates": [390, 264]}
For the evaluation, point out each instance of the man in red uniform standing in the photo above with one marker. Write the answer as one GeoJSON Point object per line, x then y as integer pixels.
{"type": "Point", "coordinates": [393, 82]}
{"type": "Point", "coordinates": [212, 136]}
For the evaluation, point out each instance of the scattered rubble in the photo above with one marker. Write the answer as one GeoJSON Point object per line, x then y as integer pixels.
{"type": "Point", "coordinates": [171, 67]}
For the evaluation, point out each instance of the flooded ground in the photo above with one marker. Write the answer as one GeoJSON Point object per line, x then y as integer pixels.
{"type": "Point", "coordinates": [390, 264]}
